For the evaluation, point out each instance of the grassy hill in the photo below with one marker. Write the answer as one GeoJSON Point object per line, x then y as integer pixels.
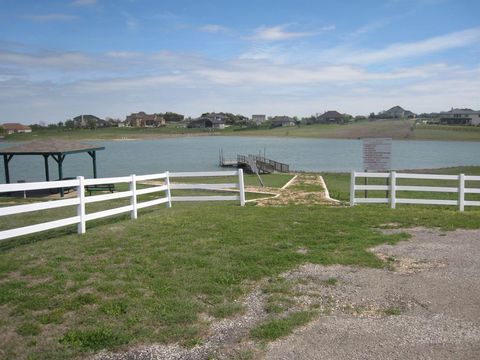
{"type": "Point", "coordinates": [396, 129]}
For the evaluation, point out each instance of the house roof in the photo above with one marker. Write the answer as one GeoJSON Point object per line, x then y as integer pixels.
{"type": "Point", "coordinates": [282, 119]}
{"type": "Point", "coordinates": [144, 116]}
{"type": "Point", "coordinates": [399, 108]}
{"type": "Point", "coordinates": [15, 126]}
{"type": "Point", "coordinates": [49, 146]}
{"type": "Point", "coordinates": [331, 114]}
{"type": "Point", "coordinates": [460, 111]}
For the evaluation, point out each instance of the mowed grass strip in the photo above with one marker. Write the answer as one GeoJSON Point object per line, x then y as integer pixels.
{"type": "Point", "coordinates": [147, 281]}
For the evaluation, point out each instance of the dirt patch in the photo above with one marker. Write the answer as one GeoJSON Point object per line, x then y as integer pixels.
{"type": "Point", "coordinates": [423, 305]}
{"type": "Point", "coordinates": [306, 189]}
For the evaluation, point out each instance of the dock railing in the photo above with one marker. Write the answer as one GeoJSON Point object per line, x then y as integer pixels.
{"type": "Point", "coordinates": [133, 193]}
{"type": "Point", "coordinates": [264, 163]}
{"type": "Point", "coordinates": [392, 189]}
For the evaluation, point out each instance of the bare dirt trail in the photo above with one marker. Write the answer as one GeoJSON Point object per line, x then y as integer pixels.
{"type": "Point", "coordinates": [305, 189]}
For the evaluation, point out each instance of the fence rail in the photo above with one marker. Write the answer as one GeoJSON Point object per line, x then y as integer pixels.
{"type": "Point", "coordinates": [132, 193]}
{"type": "Point", "coordinates": [392, 189]}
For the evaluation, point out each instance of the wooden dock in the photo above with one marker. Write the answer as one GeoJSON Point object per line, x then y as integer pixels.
{"type": "Point", "coordinates": [254, 164]}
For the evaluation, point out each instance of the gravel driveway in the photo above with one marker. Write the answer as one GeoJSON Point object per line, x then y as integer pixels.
{"type": "Point", "coordinates": [426, 307]}
{"type": "Point", "coordinates": [425, 304]}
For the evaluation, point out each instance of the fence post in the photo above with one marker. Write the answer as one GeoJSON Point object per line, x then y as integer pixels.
{"type": "Point", "coordinates": [461, 192]}
{"type": "Point", "coordinates": [241, 187]}
{"type": "Point", "coordinates": [352, 188]}
{"type": "Point", "coordinates": [393, 189]}
{"type": "Point", "coordinates": [133, 199]}
{"type": "Point", "coordinates": [169, 195]}
{"type": "Point", "coordinates": [81, 227]}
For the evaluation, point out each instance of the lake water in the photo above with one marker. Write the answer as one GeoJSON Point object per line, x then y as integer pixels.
{"type": "Point", "coordinates": [201, 153]}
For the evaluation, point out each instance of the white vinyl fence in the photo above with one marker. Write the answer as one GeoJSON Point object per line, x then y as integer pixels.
{"type": "Point", "coordinates": [392, 188]}
{"type": "Point", "coordinates": [81, 200]}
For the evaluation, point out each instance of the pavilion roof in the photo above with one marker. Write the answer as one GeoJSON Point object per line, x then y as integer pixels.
{"type": "Point", "coordinates": [49, 146]}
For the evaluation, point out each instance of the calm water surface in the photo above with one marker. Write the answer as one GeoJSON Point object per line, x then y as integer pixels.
{"type": "Point", "coordinates": [201, 153]}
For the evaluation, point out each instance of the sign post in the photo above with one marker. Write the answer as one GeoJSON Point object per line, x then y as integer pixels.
{"type": "Point", "coordinates": [377, 156]}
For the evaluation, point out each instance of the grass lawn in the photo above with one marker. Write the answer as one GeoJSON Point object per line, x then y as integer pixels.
{"type": "Point", "coordinates": [138, 282]}
{"type": "Point", "coordinates": [107, 133]}
{"type": "Point", "coordinates": [443, 132]}
{"type": "Point", "coordinates": [400, 129]}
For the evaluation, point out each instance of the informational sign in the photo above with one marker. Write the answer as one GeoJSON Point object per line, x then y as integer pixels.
{"type": "Point", "coordinates": [377, 154]}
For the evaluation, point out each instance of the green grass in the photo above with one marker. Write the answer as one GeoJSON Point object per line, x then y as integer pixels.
{"type": "Point", "coordinates": [447, 132]}
{"type": "Point", "coordinates": [396, 129]}
{"type": "Point", "coordinates": [276, 328]}
{"type": "Point", "coordinates": [393, 311]}
{"type": "Point", "coordinates": [108, 133]}
{"type": "Point", "coordinates": [128, 282]}
{"type": "Point", "coordinates": [331, 281]}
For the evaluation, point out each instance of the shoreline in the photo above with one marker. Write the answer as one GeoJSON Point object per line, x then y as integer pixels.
{"type": "Point", "coordinates": [396, 130]}
{"type": "Point", "coordinates": [170, 136]}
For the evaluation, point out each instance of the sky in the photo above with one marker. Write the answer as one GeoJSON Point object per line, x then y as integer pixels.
{"type": "Point", "coordinates": [109, 58]}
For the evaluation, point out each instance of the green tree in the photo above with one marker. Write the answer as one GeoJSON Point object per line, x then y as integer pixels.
{"type": "Point", "coordinates": [70, 124]}
{"type": "Point", "coordinates": [172, 117]}
{"type": "Point", "coordinates": [91, 123]}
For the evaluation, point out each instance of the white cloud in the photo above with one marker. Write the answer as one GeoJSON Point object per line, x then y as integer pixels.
{"type": "Point", "coordinates": [55, 60]}
{"type": "Point", "coordinates": [123, 54]}
{"type": "Point", "coordinates": [368, 28]}
{"type": "Point", "coordinates": [121, 85]}
{"type": "Point", "coordinates": [132, 24]}
{"type": "Point", "coordinates": [115, 83]}
{"type": "Point", "coordinates": [50, 17]}
{"type": "Point", "coordinates": [213, 28]}
{"type": "Point", "coordinates": [279, 33]}
{"type": "Point", "coordinates": [407, 50]}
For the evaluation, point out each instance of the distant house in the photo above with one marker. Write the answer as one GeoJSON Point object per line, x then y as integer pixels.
{"type": "Point", "coordinates": [208, 122]}
{"type": "Point", "coordinates": [15, 128]}
{"type": "Point", "coordinates": [460, 117]}
{"type": "Point", "coordinates": [397, 112]}
{"type": "Point", "coordinates": [331, 117]}
{"type": "Point", "coordinates": [141, 119]}
{"type": "Point", "coordinates": [283, 121]}
{"type": "Point", "coordinates": [84, 121]}
{"type": "Point", "coordinates": [258, 119]}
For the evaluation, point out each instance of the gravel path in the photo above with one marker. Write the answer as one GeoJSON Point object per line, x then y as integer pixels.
{"type": "Point", "coordinates": [428, 307]}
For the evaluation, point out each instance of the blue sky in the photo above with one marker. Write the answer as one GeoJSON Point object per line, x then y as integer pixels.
{"type": "Point", "coordinates": [59, 59]}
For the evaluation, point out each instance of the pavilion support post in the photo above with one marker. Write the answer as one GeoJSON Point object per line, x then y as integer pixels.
{"type": "Point", "coordinates": [59, 160]}
{"type": "Point", "coordinates": [6, 160]}
{"type": "Point", "coordinates": [47, 171]}
{"type": "Point", "coordinates": [93, 154]}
